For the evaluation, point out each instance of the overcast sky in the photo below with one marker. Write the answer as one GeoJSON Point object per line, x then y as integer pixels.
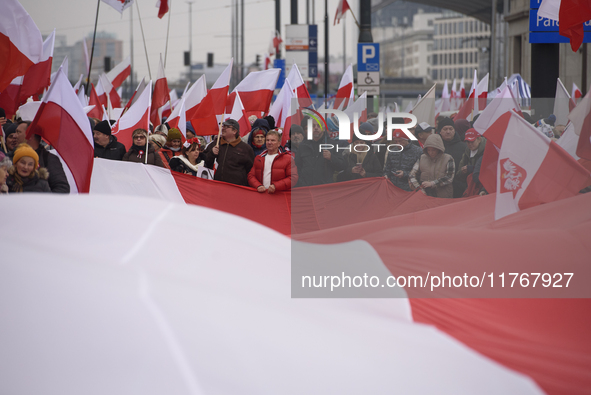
{"type": "Point", "coordinates": [211, 28]}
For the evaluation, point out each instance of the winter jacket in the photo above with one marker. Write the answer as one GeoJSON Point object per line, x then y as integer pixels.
{"type": "Point", "coordinates": [58, 182]}
{"type": "Point", "coordinates": [469, 161]}
{"type": "Point", "coordinates": [435, 170]}
{"type": "Point", "coordinates": [234, 159]}
{"type": "Point", "coordinates": [166, 154]}
{"type": "Point", "coordinates": [284, 173]}
{"type": "Point", "coordinates": [114, 150]}
{"type": "Point", "coordinates": [370, 164]}
{"type": "Point", "coordinates": [313, 169]}
{"type": "Point", "coordinates": [36, 183]}
{"type": "Point", "coordinates": [137, 154]}
{"type": "Point", "coordinates": [456, 147]}
{"type": "Point", "coordinates": [403, 160]}
{"type": "Point", "coordinates": [182, 165]}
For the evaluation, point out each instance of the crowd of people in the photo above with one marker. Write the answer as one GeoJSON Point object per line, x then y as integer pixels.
{"type": "Point", "coordinates": [444, 161]}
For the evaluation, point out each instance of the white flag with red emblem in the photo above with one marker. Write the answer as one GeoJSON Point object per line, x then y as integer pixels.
{"type": "Point", "coordinates": [21, 44]}
{"type": "Point", "coordinates": [119, 5]}
{"type": "Point", "coordinates": [62, 122]}
{"type": "Point", "coordinates": [341, 9]}
{"type": "Point", "coordinates": [532, 169]}
{"type": "Point", "coordinates": [576, 94]}
{"type": "Point", "coordinates": [345, 93]}
{"type": "Point", "coordinates": [137, 117]}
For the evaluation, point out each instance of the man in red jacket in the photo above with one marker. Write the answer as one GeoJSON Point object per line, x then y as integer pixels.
{"type": "Point", "coordinates": [274, 169]}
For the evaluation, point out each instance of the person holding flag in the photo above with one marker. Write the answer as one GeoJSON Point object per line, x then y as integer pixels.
{"type": "Point", "coordinates": [137, 152]}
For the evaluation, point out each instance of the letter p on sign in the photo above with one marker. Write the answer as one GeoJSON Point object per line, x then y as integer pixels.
{"type": "Point", "coordinates": [368, 52]}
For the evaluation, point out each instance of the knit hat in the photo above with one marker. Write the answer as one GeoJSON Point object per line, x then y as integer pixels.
{"type": "Point", "coordinates": [271, 121]}
{"type": "Point", "coordinates": [445, 122]}
{"type": "Point", "coordinates": [23, 150]}
{"type": "Point", "coordinates": [104, 127]}
{"type": "Point", "coordinates": [158, 139]}
{"type": "Point", "coordinates": [261, 123]}
{"type": "Point", "coordinates": [366, 127]}
{"type": "Point", "coordinates": [173, 134]}
{"type": "Point", "coordinates": [296, 129]}
{"type": "Point", "coordinates": [161, 129]}
{"type": "Point", "coordinates": [9, 129]}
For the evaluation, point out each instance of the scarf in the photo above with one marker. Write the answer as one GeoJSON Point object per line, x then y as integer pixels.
{"type": "Point", "coordinates": [19, 182]}
{"type": "Point", "coordinates": [189, 165]}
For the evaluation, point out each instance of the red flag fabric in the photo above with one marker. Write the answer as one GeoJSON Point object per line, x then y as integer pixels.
{"type": "Point", "coordinates": [93, 100]}
{"type": "Point", "coordinates": [9, 97]}
{"type": "Point", "coordinates": [163, 7]}
{"type": "Point", "coordinates": [238, 114]}
{"type": "Point", "coordinates": [205, 118]}
{"type": "Point", "coordinates": [62, 122]}
{"type": "Point", "coordinates": [256, 91]}
{"type": "Point", "coordinates": [341, 9]}
{"type": "Point", "coordinates": [137, 117]}
{"type": "Point", "coordinates": [20, 42]}
{"type": "Point", "coordinates": [161, 95]}
{"type": "Point", "coordinates": [38, 77]}
{"type": "Point", "coordinates": [119, 73]}
{"type": "Point", "coordinates": [572, 15]}
{"type": "Point", "coordinates": [194, 96]}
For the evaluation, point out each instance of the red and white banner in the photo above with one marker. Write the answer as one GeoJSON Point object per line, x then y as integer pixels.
{"type": "Point", "coordinates": [62, 122]}
{"type": "Point", "coordinates": [256, 91]}
{"type": "Point", "coordinates": [532, 169]}
{"type": "Point", "coordinates": [119, 73]}
{"type": "Point", "coordinates": [119, 5]}
{"type": "Point", "coordinates": [21, 44]}
{"type": "Point", "coordinates": [137, 117]}
{"type": "Point", "coordinates": [345, 93]}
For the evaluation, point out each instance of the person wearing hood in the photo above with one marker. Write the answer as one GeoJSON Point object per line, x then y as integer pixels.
{"type": "Point", "coordinates": [137, 152]}
{"type": "Point", "coordinates": [106, 145]}
{"type": "Point", "coordinates": [434, 172]}
{"type": "Point", "coordinates": [454, 147]}
{"type": "Point", "coordinates": [189, 159]}
{"type": "Point", "coordinates": [173, 145]}
{"type": "Point", "coordinates": [25, 174]}
{"type": "Point", "coordinates": [273, 170]}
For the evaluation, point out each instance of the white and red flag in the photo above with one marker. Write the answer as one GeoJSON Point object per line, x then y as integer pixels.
{"type": "Point", "coordinates": [21, 44]}
{"type": "Point", "coordinates": [576, 93]}
{"type": "Point", "coordinates": [359, 107]}
{"type": "Point", "coordinates": [424, 110]}
{"type": "Point", "coordinates": [297, 83]}
{"type": "Point", "coordinates": [194, 96]}
{"type": "Point", "coordinates": [571, 15]}
{"type": "Point", "coordinates": [462, 89]}
{"type": "Point", "coordinates": [167, 108]}
{"type": "Point", "coordinates": [161, 95]}
{"type": "Point", "coordinates": [275, 42]}
{"type": "Point", "coordinates": [345, 93]}
{"type": "Point", "coordinates": [178, 118]}
{"type": "Point", "coordinates": [563, 104]}
{"type": "Point", "coordinates": [282, 102]}
{"type": "Point", "coordinates": [581, 119]}
{"type": "Point", "coordinates": [163, 7]}
{"type": "Point", "coordinates": [38, 77]}
{"type": "Point", "coordinates": [239, 115]}
{"type": "Point", "coordinates": [93, 100]}
{"type": "Point", "coordinates": [9, 97]}
{"type": "Point", "coordinates": [62, 122]}
{"type": "Point", "coordinates": [109, 92]}
{"type": "Point", "coordinates": [267, 62]}
{"type": "Point", "coordinates": [482, 94]}
{"type": "Point", "coordinates": [256, 91]}
{"type": "Point", "coordinates": [205, 119]}
{"type": "Point", "coordinates": [292, 113]}
{"type": "Point", "coordinates": [341, 9]}
{"type": "Point", "coordinates": [532, 169]}
{"type": "Point", "coordinates": [470, 105]}
{"type": "Point", "coordinates": [119, 5]}
{"type": "Point", "coordinates": [119, 73]}
{"type": "Point", "coordinates": [138, 91]}
{"type": "Point", "coordinates": [445, 98]}
{"type": "Point", "coordinates": [137, 117]}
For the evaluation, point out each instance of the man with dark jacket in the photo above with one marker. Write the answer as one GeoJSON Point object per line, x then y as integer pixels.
{"type": "Point", "coordinates": [106, 146]}
{"type": "Point", "coordinates": [454, 147]}
{"type": "Point", "coordinates": [234, 157]}
{"type": "Point", "coordinates": [475, 150]}
{"type": "Point", "coordinates": [58, 182]}
{"type": "Point", "coordinates": [399, 164]}
{"type": "Point", "coordinates": [316, 160]}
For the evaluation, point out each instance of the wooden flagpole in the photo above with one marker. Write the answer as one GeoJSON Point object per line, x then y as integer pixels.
{"type": "Point", "coordinates": [92, 50]}
{"type": "Point", "coordinates": [143, 38]}
{"type": "Point", "coordinates": [355, 18]}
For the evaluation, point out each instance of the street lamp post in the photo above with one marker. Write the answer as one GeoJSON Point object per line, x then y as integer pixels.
{"type": "Point", "coordinates": [190, 2]}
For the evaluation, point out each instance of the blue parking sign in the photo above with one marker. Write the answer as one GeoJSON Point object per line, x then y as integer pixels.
{"type": "Point", "coordinates": [368, 57]}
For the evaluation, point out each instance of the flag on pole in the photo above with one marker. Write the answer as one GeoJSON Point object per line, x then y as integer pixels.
{"type": "Point", "coordinates": [576, 93]}
{"type": "Point", "coordinates": [110, 91]}
{"type": "Point", "coordinates": [532, 169]}
{"type": "Point", "coordinates": [119, 73]}
{"type": "Point", "coordinates": [581, 118]}
{"type": "Point", "coordinates": [93, 100]}
{"type": "Point", "coordinates": [424, 110]}
{"type": "Point", "coordinates": [137, 117]}
{"type": "Point", "coordinates": [9, 97]}
{"type": "Point", "coordinates": [562, 104]}
{"type": "Point", "coordinates": [62, 122]}
{"type": "Point", "coordinates": [178, 118]}
{"type": "Point", "coordinates": [161, 94]}
{"type": "Point", "coordinates": [38, 77]}
{"type": "Point", "coordinates": [119, 5]}
{"type": "Point", "coordinates": [163, 6]}
{"type": "Point", "coordinates": [238, 114]}
{"type": "Point", "coordinates": [194, 96]}
{"type": "Point", "coordinates": [256, 91]}
{"type": "Point", "coordinates": [341, 9]}
{"type": "Point", "coordinates": [20, 42]}
{"type": "Point", "coordinates": [297, 83]}
{"type": "Point", "coordinates": [345, 93]}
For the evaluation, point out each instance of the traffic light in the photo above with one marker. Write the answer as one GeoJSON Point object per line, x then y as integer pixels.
{"type": "Point", "coordinates": [210, 59]}
{"type": "Point", "coordinates": [187, 58]}
{"type": "Point", "coordinates": [107, 64]}
{"type": "Point", "coordinates": [258, 60]}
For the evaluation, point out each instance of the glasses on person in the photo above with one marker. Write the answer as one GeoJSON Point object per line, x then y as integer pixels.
{"type": "Point", "coordinates": [140, 137]}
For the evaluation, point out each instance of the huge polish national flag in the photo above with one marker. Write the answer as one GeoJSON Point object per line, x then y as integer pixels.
{"type": "Point", "coordinates": [137, 117]}
{"type": "Point", "coordinates": [256, 91]}
{"type": "Point", "coordinates": [62, 122]}
{"type": "Point", "coordinates": [345, 93]}
{"type": "Point", "coordinates": [119, 73]}
{"type": "Point", "coordinates": [21, 44]}
{"type": "Point", "coordinates": [532, 169]}
{"type": "Point", "coordinates": [38, 77]}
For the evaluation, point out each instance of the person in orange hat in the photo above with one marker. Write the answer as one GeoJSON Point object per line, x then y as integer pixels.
{"type": "Point", "coordinates": [24, 175]}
